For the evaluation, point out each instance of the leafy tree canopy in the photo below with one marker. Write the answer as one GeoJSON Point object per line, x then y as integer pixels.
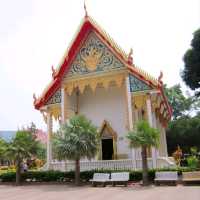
{"type": "Point", "coordinates": [144, 135]}
{"type": "Point", "coordinates": [191, 72]}
{"type": "Point", "coordinates": [185, 131]}
{"type": "Point", "coordinates": [76, 139]}
{"type": "Point", "coordinates": [181, 104]}
{"type": "Point", "coordinates": [22, 146]}
{"type": "Point", "coordinates": [3, 146]}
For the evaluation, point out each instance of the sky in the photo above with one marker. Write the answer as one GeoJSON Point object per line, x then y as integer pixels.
{"type": "Point", "coordinates": [34, 35]}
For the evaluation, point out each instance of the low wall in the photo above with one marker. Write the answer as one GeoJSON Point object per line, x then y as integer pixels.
{"type": "Point", "coordinates": [127, 164]}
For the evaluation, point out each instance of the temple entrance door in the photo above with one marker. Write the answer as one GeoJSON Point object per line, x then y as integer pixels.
{"type": "Point", "coordinates": [107, 149]}
{"type": "Point", "coordinates": [108, 146]}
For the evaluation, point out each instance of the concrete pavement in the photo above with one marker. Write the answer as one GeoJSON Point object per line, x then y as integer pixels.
{"type": "Point", "coordinates": [66, 192]}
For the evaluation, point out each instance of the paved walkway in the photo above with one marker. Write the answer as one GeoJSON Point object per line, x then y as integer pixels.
{"type": "Point", "coordinates": [65, 192]}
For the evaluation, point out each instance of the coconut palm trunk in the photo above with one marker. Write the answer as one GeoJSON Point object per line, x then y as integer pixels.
{"type": "Point", "coordinates": [77, 172]}
{"type": "Point", "coordinates": [18, 172]}
{"type": "Point", "coordinates": [144, 166]}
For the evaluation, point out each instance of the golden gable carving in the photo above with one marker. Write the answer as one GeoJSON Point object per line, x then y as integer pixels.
{"type": "Point", "coordinates": [92, 58]}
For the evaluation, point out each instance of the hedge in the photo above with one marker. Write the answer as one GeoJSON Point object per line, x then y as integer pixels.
{"type": "Point", "coordinates": [58, 176]}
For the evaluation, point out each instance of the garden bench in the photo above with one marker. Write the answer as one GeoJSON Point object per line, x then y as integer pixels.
{"type": "Point", "coordinates": [119, 177]}
{"type": "Point", "coordinates": [191, 176]}
{"type": "Point", "coordinates": [166, 177]}
{"type": "Point", "coordinates": [100, 178]}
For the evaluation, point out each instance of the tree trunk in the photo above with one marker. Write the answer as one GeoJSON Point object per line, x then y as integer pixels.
{"type": "Point", "coordinates": [18, 172]}
{"type": "Point", "coordinates": [77, 172]}
{"type": "Point", "coordinates": [144, 166]}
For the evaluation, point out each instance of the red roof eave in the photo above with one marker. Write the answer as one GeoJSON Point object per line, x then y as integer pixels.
{"type": "Point", "coordinates": [169, 108]}
{"type": "Point", "coordinates": [54, 85]}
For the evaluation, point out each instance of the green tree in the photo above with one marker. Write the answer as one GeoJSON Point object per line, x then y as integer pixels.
{"type": "Point", "coordinates": [180, 104]}
{"type": "Point", "coordinates": [76, 139]}
{"type": "Point", "coordinates": [191, 72]}
{"type": "Point", "coordinates": [41, 151]}
{"type": "Point", "coordinates": [22, 147]}
{"type": "Point", "coordinates": [184, 132]}
{"type": "Point", "coordinates": [144, 136]}
{"type": "Point", "coordinates": [3, 146]}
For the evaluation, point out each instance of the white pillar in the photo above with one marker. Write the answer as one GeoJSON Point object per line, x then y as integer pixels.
{"type": "Point", "coordinates": [49, 143]}
{"type": "Point", "coordinates": [129, 104]}
{"type": "Point", "coordinates": [150, 120]}
{"type": "Point", "coordinates": [63, 105]}
{"type": "Point", "coordinates": [164, 141]}
{"type": "Point", "coordinates": [130, 115]}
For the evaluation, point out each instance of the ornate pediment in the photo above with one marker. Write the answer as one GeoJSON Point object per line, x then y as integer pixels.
{"type": "Point", "coordinates": [137, 85]}
{"type": "Point", "coordinates": [94, 56]}
{"type": "Point", "coordinates": [56, 98]}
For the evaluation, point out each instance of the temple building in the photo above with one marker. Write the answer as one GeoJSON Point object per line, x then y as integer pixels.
{"type": "Point", "coordinates": [98, 79]}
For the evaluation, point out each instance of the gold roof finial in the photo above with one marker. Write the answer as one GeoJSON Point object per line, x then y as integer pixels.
{"type": "Point", "coordinates": [85, 8]}
{"type": "Point", "coordinates": [34, 98]}
{"type": "Point", "coordinates": [160, 77]}
{"type": "Point", "coordinates": [53, 71]}
{"type": "Point", "coordinates": [130, 57]}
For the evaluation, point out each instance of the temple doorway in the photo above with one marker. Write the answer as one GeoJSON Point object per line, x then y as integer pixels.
{"type": "Point", "coordinates": [108, 142]}
{"type": "Point", "coordinates": [107, 149]}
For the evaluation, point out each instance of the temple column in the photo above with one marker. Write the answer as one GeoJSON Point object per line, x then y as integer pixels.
{"type": "Point", "coordinates": [129, 105]}
{"type": "Point", "coordinates": [150, 120]}
{"type": "Point", "coordinates": [130, 115]}
{"type": "Point", "coordinates": [64, 102]}
{"type": "Point", "coordinates": [164, 140]}
{"type": "Point", "coordinates": [49, 142]}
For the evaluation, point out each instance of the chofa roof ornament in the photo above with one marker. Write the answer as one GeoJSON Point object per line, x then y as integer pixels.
{"type": "Point", "coordinates": [130, 57]}
{"type": "Point", "coordinates": [34, 98]}
{"type": "Point", "coordinates": [53, 72]}
{"type": "Point", "coordinates": [160, 77]}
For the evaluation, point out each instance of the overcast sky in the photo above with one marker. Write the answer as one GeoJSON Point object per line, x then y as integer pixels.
{"type": "Point", "coordinates": [35, 33]}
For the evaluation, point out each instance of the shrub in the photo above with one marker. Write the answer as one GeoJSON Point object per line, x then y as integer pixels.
{"type": "Point", "coordinates": [58, 176]}
{"type": "Point", "coordinates": [8, 177]}
{"type": "Point", "coordinates": [192, 162]}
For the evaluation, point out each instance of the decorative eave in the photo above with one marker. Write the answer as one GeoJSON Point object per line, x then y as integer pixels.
{"type": "Point", "coordinates": [87, 25]}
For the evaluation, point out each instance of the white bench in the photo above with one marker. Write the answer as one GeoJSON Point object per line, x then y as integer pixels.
{"type": "Point", "coordinates": [100, 178]}
{"type": "Point", "coordinates": [166, 177]}
{"type": "Point", "coordinates": [119, 177]}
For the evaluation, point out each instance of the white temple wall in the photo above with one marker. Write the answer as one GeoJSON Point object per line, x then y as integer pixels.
{"type": "Point", "coordinates": [163, 143]}
{"type": "Point", "coordinates": [107, 104]}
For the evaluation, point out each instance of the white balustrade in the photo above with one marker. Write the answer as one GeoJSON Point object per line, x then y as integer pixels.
{"type": "Point", "coordinates": [127, 164]}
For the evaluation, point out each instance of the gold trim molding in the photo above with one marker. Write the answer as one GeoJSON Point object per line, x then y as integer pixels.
{"type": "Point", "coordinates": [92, 82]}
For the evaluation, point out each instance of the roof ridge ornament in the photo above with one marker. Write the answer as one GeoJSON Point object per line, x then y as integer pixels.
{"type": "Point", "coordinates": [53, 71]}
{"type": "Point", "coordinates": [35, 98]}
{"type": "Point", "coordinates": [130, 57]}
{"type": "Point", "coordinates": [160, 77]}
{"type": "Point", "coordinates": [85, 8]}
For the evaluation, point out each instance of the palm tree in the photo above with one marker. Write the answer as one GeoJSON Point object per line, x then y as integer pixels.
{"type": "Point", "coordinates": [3, 146]}
{"type": "Point", "coordinates": [76, 139]}
{"type": "Point", "coordinates": [144, 136]}
{"type": "Point", "coordinates": [22, 147]}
